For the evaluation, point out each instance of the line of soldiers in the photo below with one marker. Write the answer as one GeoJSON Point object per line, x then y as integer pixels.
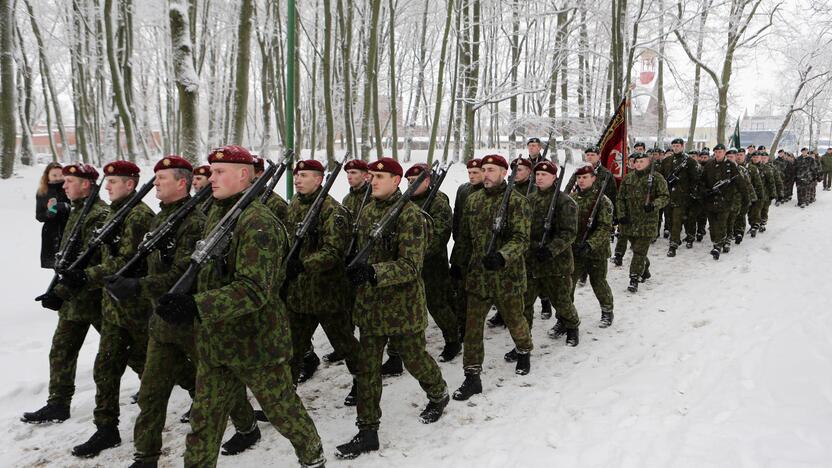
{"type": "Point", "coordinates": [248, 323]}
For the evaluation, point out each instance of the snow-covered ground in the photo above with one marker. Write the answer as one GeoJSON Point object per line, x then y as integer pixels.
{"type": "Point", "coordinates": [710, 364]}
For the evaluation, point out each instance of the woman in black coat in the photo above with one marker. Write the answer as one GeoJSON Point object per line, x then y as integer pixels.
{"type": "Point", "coordinates": [52, 209]}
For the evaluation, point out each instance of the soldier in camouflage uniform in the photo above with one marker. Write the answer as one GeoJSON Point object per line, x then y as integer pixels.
{"type": "Point", "coordinates": [785, 165]}
{"type": "Point", "coordinates": [642, 194]}
{"type": "Point", "coordinates": [738, 201]}
{"type": "Point", "coordinates": [621, 242]}
{"type": "Point", "coordinates": [755, 172]}
{"type": "Point", "coordinates": [819, 172]}
{"type": "Point", "coordinates": [592, 156]}
{"type": "Point", "coordinates": [275, 202]}
{"type": "Point", "coordinates": [774, 187]}
{"type": "Point", "coordinates": [738, 225]}
{"type": "Point", "coordinates": [681, 173]}
{"type": "Point", "coordinates": [494, 278]}
{"type": "Point", "coordinates": [826, 166]}
{"type": "Point", "coordinates": [549, 265]}
{"type": "Point", "coordinates": [390, 306]}
{"type": "Point", "coordinates": [697, 207]}
{"type": "Point", "coordinates": [592, 246]}
{"type": "Point", "coordinates": [805, 176]}
{"type": "Point", "coordinates": [523, 175]}
{"type": "Point", "coordinates": [357, 177]}
{"type": "Point", "coordinates": [241, 325]}
{"type": "Point", "coordinates": [123, 324]}
{"type": "Point", "coordinates": [200, 180]}
{"type": "Point", "coordinates": [457, 269]}
{"type": "Point", "coordinates": [535, 155]}
{"type": "Point", "coordinates": [78, 309]}
{"type": "Point", "coordinates": [719, 177]}
{"type": "Point", "coordinates": [317, 291]}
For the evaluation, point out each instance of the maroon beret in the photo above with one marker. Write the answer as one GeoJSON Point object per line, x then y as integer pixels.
{"type": "Point", "coordinates": [474, 163]}
{"type": "Point", "coordinates": [84, 171]}
{"type": "Point", "coordinates": [259, 163]}
{"type": "Point", "coordinates": [308, 165]}
{"type": "Point", "coordinates": [585, 169]}
{"type": "Point", "coordinates": [355, 164]}
{"type": "Point", "coordinates": [230, 154]}
{"type": "Point", "coordinates": [546, 166]}
{"type": "Point", "coordinates": [121, 168]}
{"type": "Point", "coordinates": [203, 171]}
{"type": "Point", "coordinates": [416, 169]}
{"type": "Point", "coordinates": [173, 162]}
{"type": "Point", "coordinates": [522, 161]}
{"type": "Point", "coordinates": [388, 165]}
{"type": "Point", "coordinates": [495, 159]}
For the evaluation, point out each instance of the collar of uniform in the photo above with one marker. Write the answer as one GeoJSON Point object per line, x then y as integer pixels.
{"type": "Point", "coordinates": [390, 200]}
{"type": "Point", "coordinates": [475, 187]}
{"type": "Point", "coordinates": [308, 198]}
{"type": "Point", "coordinates": [585, 193]}
{"type": "Point", "coordinates": [230, 201]}
{"type": "Point", "coordinates": [496, 190]}
{"type": "Point", "coordinates": [120, 202]}
{"type": "Point", "coordinates": [360, 188]}
{"type": "Point", "coordinates": [643, 172]}
{"type": "Point", "coordinates": [548, 191]}
{"type": "Point", "coordinates": [174, 205]}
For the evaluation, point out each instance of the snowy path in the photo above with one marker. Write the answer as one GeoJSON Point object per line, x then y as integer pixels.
{"type": "Point", "coordinates": [709, 364]}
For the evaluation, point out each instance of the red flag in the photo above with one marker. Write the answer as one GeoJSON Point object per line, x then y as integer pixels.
{"type": "Point", "coordinates": [613, 143]}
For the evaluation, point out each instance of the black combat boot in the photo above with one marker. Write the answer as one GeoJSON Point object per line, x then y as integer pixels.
{"type": "Point", "coordinates": [762, 227]}
{"type": "Point", "coordinates": [450, 351]}
{"type": "Point", "coordinates": [365, 441]}
{"type": "Point", "coordinates": [699, 237]}
{"type": "Point", "coordinates": [689, 243]}
{"type": "Point", "coordinates": [646, 275]}
{"type": "Point", "coordinates": [726, 247]}
{"type": "Point", "coordinates": [738, 238]}
{"type": "Point", "coordinates": [433, 411]}
{"type": "Point", "coordinates": [186, 417]}
{"type": "Point", "coordinates": [606, 319]}
{"type": "Point", "coordinates": [393, 367]}
{"type": "Point", "coordinates": [715, 252]}
{"type": "Point", "coordinates": [558, 330]}
{"type": "Point", "coordinates": [572, 337]}
{"type": "Point", "coordinates": [310, 364]}
{"type": "Point", "coordinates": [753, 231]}
{"type": "Point", "coordinates": [671, 251]}
{"type": "Point", "coordinates": [105, 437]}
{"type": "Point", "coordinates": [470, 387]}
{"type": "Point", "coordinates": [511, 356]}
{"type": "Point", "coordinates": [240, 442]}
{"type": "Point", "coordinates": [666, 234]}
{"type": "Point", "coordinates": [141, 464]}
{"type": "Point", "coordinates": [49, 413]}
{"type": "Point", "coordinates": [618, 260]}
{"type": "Point", "coordinates": [633, 287]}
{"type": "Point", "coordinates": [352, 398]}
{"type": "Point", "coordinates": [334, 356]}
{"type": "Point", "coordinates": [545, 308]}
{"type": "Point", "coordinates": [496, 321]}
{"type": "Point", "coordinates": [524, 365]}
{"type": "Point", "coordinates": [582, 279]}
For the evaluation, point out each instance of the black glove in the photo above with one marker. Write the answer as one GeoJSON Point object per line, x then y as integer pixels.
{"type": "Point", "coordinates": [73, 279]}
{"type": "Point", "coordinates": [50, 301]}
{"type": "Point", "coordinates": [649, 207]}
{"type": "Point", "coordinates": [624, 220]}
{"type": "Point", "coordinates": [456, 272]}
{"type": "Point", "coordinates": [121, 288]}
{"type": "Point", "coordinates": [493, 262]}
{"type": "Point", "coordinates": [542, 254]}
{"type": "Point", "coordinates": [177, 309]}
{"type": "Point", "coordinates": [583, 249]}
{"type": "Point", "coordinates": [362, 273]}
{"type": "Point", "coordinates": [294, 268]}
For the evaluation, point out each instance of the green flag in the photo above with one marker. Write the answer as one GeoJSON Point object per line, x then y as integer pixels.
{"type": "Point", "coordinates": [735, 138]}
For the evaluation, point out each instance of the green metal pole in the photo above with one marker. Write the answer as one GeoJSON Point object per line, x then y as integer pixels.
{"type": "Point", "coordinates": [289, 101]}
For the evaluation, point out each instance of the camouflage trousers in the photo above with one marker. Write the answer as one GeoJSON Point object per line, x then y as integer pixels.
{"type": "Point", "coordinates": [511, 309]}
{"type": "Point", "coordinates": [621, 244]}
{"type": "Point", "coordinates": [439, 298]}
{"type": "Point", "coordinates": [172, 363]}
{"type": "Point", "coordinates": [788, 187]}
{"type": "Point", "coordinates": [559, 291]}
{"type": "Point", "coordinates": [116, 347]}
{"type": "Point", "coordinates": [338, 330]}
{"type": "Point", "coordinates": [804, 192]}
{"type": "Point", "coordinates": [754, 213]}
{"type": "Point", "coordinates": [764, 211]}
{"type": "Point", "coordinates": [596, 269]}
{"type": "Point", "coordinates": [218, 389]}
{"type": "Point", "coordinates": [459, 301]}
{"type": "Point", "coordinates": [639, 263]}
{"type": "Point", "coordinates": [678, 216]}
{"type": "Point", "coordinates": [717, 222]}
{"type": "Point", "coordinates": [730, 221]}
{"type": "Point", "coordinates": [416, 360]}
{"type": "Point", "coordinates": [699, 219]}
{"type": "Point", "coordinates": [827, 179]}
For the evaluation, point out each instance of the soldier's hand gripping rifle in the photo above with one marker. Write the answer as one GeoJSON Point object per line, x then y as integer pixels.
{"type": "Point", "coordinates": [281, 168]}
{"type": "Point", "coordinates": [220, 236]}
{"type": "Point", "coordinates": [721, 183]}
{"type": "Point", "coordinates": [550, 214]}
{"type": "Point", "coordinates": [502, 212]}
{"type": "Point", "coordinates": [68, 252]}
{"type": "Point", "coordinates": [674, 174]}
{"type": "Point", "coordinates": [590, 222]}
{"type": "Point", "coordinates": [389, 218]}
{"type": "Point", "coordinates": [437, 176]}
{"type": "Point", "coordinates": [311, 217]}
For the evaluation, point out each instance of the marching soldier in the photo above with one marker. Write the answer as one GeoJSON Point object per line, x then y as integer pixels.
{"type": "Point", "coordinates": [357, 178]}
{"type": "Point", "coordinates": [275, 202]}
{"type": "Point", "coordinates": [523, 176]}
{"type": "Point", "coordinates": [697, 208]}
{"type": "Point", "coordinates": [621, 242]}
{"type": "Point", "coordinates": [760, 189]}
{"type": "Point", "coordinates": [737, 201]}
{"type": "Point", "coordinates": [745, 209]}
{"type": "Point", "coordinates": [533, 145]}
{"type": "Point", "coordinates": [592, 246]}
{"type": "Point", "coordinates": [592, 156]}
{"type": "Point", "coordinates": [642, 194]}
{"type": "Point", "coordinates": [826, 164]}
{"type": "Point", "coordinates": [681, 173]}
{"type": "Point", "coordinates": [774, 187]}
{"type": "Point", "coordinates": [78, 308]}
{"type": "Point", "coordinates": [390, 307]}
{"type": "Point", "coordinates": [457, 269]}
{"type": "Point", "coordinates": [719, 180]}
{"type": "Point", "coordinates": [200, 180]}
{"type": "Point", "coordinates": [805, 177]}
{"type": "Point", "coordinates": [494, 278]}
{"type": "Point", "coordinates": [241, 326]}
{"type": "Point", "coordinates": [123, 323]}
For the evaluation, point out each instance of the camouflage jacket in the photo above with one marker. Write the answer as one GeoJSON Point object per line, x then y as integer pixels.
{"type": "Point", "coordinates": [785, 167]}
{"type": "Point", "coordinates": [321, 289]}
{"type": "Point", "coordinates": [757, 181]}
{"type": "Point", "coordinates": [599, 238]}
{"type": "Point", "coordinates": [750, 193]}
{"type": "Point", "coordinates": [826, 162]}
{"type": "Point", "coordinates": [560, 239]}
{"type": "Point", "coordinates": [714, 172]}
{"type": "Point", "coordinates": [778, 179]}
{"type": "Point", "coordinates": [475, 232]}
{"type": "Point", "coordinates": [352, 200]}
{"type": "Point", "coordinates": [442, 219]}
{"type": "Point", "coordinates": [742, 195]}
{"type": "Point", "coordinates": [395, 304]}
{"type": "Point", "coordinates": [687, 174]}
{"type": "Point", "coordinates": [242, 320]}
{"type": "Point", "coordinates": [526, 187]}
{"type": "Point", "coordinates": [167, 264]}
{"type": "Point", "coordinates": [277, 205]}
{"type": "Point", "coordinates": [611, 190]}
{"type": "Point", "coordinates": [462, 194]}
{"type": "Point", "coordinates": [84, 304]}
{"type": "Point", "coordinates": [128, 314]}
{"type": "Point", "coordinates": [630, 204]}
{"type": "Point", "coordinates": [804, 170]}
{"type": "Point", "coordinates": [818, 168]}
{"type": "Point", "coordinates": [769, 179]}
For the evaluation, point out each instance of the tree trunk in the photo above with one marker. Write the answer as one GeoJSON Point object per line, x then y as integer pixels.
{"type": "Point", "coordinates": [440, 80]}
{"type": "Point", "coordinates": [394, 121]}
{"type": "Point", "coordinates": [241, 79]}
{"type": "Point", "coordinates": [697, 78]}
{"type": "Point", "coordinates": [24, 87]}
{"type": "Point", "coordinates": [345, 25]}
{"type": "Point", "coordinates": [515, 62]}
{"type": "Point", "coordinates": [326, 69]}
{"type": "Point", "coordinates": [660, 124]}
{"type": "Point", "coordinates": [117, 81]}
{"type": "Point", "coordinates": [370, 77]}
{"type": "Point", "coordinates": [471, 78]}
{"type": "Point", "coordinates": [8, 103]}
{"type": "Point", "coordinates": [187, 81]}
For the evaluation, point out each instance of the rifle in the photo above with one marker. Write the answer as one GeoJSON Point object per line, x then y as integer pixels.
{"type": "Point", "coordinates": [67, 251]}
{"type": "Point", "coordinates": [590, 222]}
{"type": "Point", "coordinates": [220, 236]}
{"type": "Point", "coordinates": [153, 239]}
{"type": "Point", "coordinates": [674, 177]}
{"type": "Point", "coordinates": [390, 217]}
{"type": "Point", "coordinates": [550, 214]}
{"type": "Point", "coordinates": [437, 176]}
{"type": "Point", "coordinates": [648, 199]}
{"type": "Point", "coordinates": [354, 238]}
{"type": "Point", "coordinates": [721, 183]}
{"type": "Point", "coordinates": [502, 212]}
{"type": "Point", "coordinates": [312, 215]}
{"type": "Point", "coordinates": [281, 168]}
{"type": "Point", "coordinates": [542, 157]}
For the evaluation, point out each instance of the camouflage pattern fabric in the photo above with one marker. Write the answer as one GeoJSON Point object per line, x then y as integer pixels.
{"type": "Point", "coordinates": [594, 264]}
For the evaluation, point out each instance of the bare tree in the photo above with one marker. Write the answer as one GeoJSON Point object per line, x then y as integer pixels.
{"type": "Point", "coordinates": [8, 104]}
{"type": "Point", "coordinates": [187, 81]}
